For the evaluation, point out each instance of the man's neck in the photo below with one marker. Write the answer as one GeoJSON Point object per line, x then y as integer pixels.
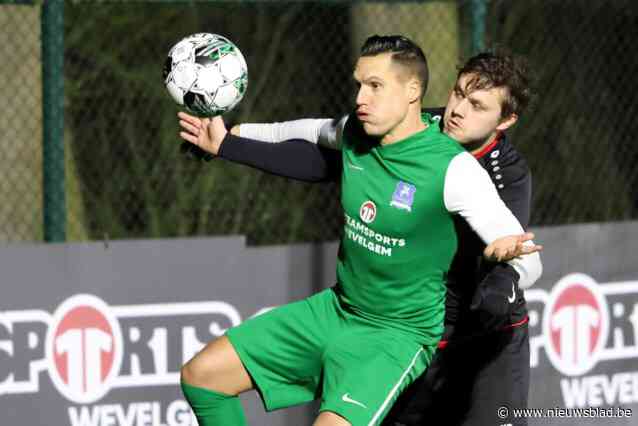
{"type": "Point", "coordinates": [411, 125]}
{"type": "Point", "coordinates": [477, 147]}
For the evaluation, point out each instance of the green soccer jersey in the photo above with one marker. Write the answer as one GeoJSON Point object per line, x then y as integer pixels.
{"type": "Point", "coordinates": [399, 238]}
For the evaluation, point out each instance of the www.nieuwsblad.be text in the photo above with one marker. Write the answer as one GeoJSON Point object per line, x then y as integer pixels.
{"type": "Point", "coordinates": [560, 412]}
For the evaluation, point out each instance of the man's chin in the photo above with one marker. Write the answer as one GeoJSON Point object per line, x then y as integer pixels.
{"type": "Point", "coordinates": [372, 130]}
{"type": "Point", "coordinates": [451, 132]}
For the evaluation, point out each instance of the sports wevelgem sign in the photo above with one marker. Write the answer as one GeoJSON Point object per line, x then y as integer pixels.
{"type": "Point", "coordinates": [94, 335]}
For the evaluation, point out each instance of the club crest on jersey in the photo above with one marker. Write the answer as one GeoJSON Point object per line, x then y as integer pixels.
{"type": "Point", "coordinates": [368, 211]}
{"type": "Point", "coordinates": [403, 196]}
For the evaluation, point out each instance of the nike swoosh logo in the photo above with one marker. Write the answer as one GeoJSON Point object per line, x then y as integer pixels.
{"type": "Point", "coordinates": [513, 298]}
{"type": "Point", "coordinates": [346, 398]}
{"type": "Point", "coordinates": [352, 166]}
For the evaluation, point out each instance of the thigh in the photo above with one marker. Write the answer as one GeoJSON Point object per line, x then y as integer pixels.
{"type": "Point", "coordinates": [502, 380]}
{"type": "Point", "coordinates": [327, 418]}
{"type": "Point", "coordinates": [439, 396]}
{"type": "Point", "coordinates": [466, 384]}
{"type": "Point", "coordinates": [365, 371]}
{"type": "Point", "coordinates": [281, 349]}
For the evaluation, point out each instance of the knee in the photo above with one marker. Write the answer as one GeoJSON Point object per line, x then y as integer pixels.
{"type": "Point", "coordinates": [201, 369]}
{"type": "Point", "coordinates": [328, 418]}
{"type": "Point", "coordinates": [190, 373]}
{"type": "Point", "coordinates": [218, 368]}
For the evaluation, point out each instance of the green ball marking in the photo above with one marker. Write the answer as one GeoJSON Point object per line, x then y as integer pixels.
{"type": "Point", "coordinates": [241, 83]}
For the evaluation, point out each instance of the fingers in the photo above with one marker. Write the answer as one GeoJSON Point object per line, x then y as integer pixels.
{"type": "Point", "coordinates": [503, 248]}
{"type": "Point", "coordinates": [195, 121]}
{"type": "Point", "coordinates": [193, 128]}
{"type": "Point", "coordinates": [523, 245]}
{"type": "Point", "coordinates": [188, 137]}
{"type": "Point", "coordinates": [189, 127]}
{"type": "Point", "coordinates": [529, 249]}
{"type": "Point", "coordinates": [190, 130]}
{"type": "Point", "coordinates": [508, 248]}
{"type": "Point", "coordinates": [525, 237]}
{"type": "Point", "coordinates": [204, 132]}
{"type": "Point", "coordinates": [497, 253]}
{"type": "Point", "coordinates": [503, 255]}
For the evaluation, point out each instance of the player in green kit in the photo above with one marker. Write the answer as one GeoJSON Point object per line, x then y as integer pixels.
{"type": "Point", "coordinates": [359, 344]}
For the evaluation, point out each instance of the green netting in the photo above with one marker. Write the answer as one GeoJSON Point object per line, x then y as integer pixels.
{"type": "Point", "coordinates": [125, 178]}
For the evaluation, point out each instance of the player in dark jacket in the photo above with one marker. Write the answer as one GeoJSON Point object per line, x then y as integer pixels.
{"type": "Point", "coordinates": [482, 363]}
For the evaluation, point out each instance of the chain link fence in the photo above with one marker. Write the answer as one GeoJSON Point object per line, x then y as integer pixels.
{"type": "Point", "coordinates": [21, 177]}
{"type": "Point", "coordinates": [125, 178]}
{"type": "Point", "coordinates": [579, 138]}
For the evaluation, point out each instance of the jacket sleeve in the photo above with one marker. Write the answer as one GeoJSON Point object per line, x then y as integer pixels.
{"type": "Point", "coordinates": [470, 192]}
{"type": "Point", "coordinates": [323, 131]}
{"type": "Point", "coordinates": [295, 158]}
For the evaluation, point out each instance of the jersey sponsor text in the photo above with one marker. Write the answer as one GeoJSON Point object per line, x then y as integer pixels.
{"type": "Point", "coordinates": [371, 240]}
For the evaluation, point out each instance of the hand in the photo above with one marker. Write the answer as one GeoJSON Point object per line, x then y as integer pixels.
{"type": "Point", "coordinates": [205, 133]}
{"type": "Point", "coordinates": [496, 297]}
{"type": "Point", "coordinates": [510, 247]}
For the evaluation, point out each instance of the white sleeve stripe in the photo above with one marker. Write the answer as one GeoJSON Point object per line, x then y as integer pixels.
{"type": "Point", "coordinates": [331, 133]}
{"type": "Point", "coordinates": [324, 131]}
{"type": "Point", "coordinates": [307, 128]}
{"type": "Point", "coordinates": [469, 191]}
{"type": "Point", "coordinates": [529, 268]}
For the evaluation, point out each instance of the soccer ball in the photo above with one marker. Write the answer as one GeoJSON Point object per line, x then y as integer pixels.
{"type": "Point", "coordinates": [206, 73]}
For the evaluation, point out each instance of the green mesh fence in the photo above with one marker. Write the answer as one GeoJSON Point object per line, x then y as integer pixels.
{"type": "Point", "coordinates": [123, 175]}
{"type": "Point", "coordinates": [21, 133]}
{"type": "Point", "coordinates": [579, 139]}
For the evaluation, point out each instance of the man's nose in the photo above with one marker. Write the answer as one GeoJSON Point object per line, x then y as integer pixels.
{"type": "Point", "coordinates": [361, 97]}
{"type": "Point", "coordinates": [460, 109]}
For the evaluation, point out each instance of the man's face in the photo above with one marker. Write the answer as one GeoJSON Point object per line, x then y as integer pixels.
{"type": "Point", "coordinates": [474, 116]}
{"type": "Point", "coordinates": [384, 93]}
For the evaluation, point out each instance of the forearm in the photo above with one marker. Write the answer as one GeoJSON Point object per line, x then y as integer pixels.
{"type": "Point", "coordinates": [296, 159]}
{"type": "Point", "coordinates": [517, 198]}
{"type": "Point", "coordinates": [307, 129]}
{"type": "Point", "coordinates": [322, 131]}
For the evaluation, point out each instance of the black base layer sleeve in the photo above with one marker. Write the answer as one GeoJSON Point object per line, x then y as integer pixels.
{"type": "Point", "coordinates": [295, 158]}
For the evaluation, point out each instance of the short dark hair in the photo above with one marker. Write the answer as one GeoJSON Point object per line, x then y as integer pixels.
{"type": "Point", "coordinates": [404, 51]}
{"type": "Point", "coordinates": [501, 68]}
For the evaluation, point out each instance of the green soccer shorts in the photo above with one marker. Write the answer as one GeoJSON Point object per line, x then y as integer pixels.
{"type": "Point", "coordinates": [315, 349]}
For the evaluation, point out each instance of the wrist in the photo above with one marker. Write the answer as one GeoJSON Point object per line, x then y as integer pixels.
{"type": "Point", "coordinates": [228, 138]}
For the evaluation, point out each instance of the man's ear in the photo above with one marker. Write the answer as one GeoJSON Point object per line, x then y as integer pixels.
{"type": "Point", "coordinates": [507, 122]}
{"type": "Point", "coordinates": [414, 90]}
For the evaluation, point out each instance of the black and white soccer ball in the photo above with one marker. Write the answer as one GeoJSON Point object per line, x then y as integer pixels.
{"type": "Point", "coordinates": [206, 73]}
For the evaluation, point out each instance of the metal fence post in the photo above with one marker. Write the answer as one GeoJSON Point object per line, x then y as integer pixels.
{"type": "Point", "coordinates": [53, 120]}
{"type": "Point", "coordinates": [478, 13]}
